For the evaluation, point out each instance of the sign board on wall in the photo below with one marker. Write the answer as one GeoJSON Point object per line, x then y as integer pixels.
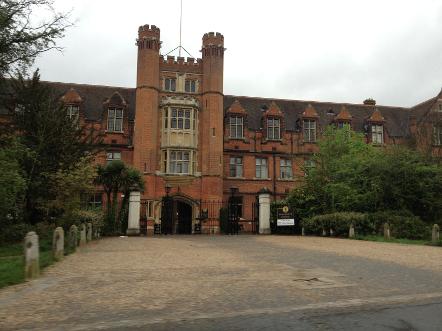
{"type": "Point", "coordinates": [285, 217]}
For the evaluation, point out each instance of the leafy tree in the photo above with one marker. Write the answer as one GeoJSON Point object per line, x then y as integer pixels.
{"type": "Point", "coordinates": [12, 181]}
{"type": "Point", "coordinates": [70, 186]}
{"type": "Point", "coordinates": [352, 176]}
{"type": "Point", "coordinates": [116, 177]}
{"type": "Point", "coordinates": [57, 143]}
{"type": "Point", "coordinates": [22, 37]}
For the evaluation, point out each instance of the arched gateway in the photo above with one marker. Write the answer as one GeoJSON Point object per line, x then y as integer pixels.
{"type": "Point", "coordinates": [177, 214]}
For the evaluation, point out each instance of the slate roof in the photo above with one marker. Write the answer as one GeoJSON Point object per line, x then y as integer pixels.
{"type": "Point", "coordinates": [94, 96]}
{"type": "Point", "coordinates": [397, 118]}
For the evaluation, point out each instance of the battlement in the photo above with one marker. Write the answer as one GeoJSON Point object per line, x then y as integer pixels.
{"type": "Point", "coordinates": [213, 38]}
{"type": "Point", "coordinates": [181, 64]}
{"type": "Point", "coordinates": [179, 60]}
{"type": "Point", "coordinates": [146, 31]}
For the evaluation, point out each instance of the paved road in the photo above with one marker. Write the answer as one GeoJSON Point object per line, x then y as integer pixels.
{"type": "Point", "coordinates": [232, 283]}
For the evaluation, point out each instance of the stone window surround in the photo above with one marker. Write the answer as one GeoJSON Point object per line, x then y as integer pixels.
{"type": "Point", "coordinates": [112, 117]}
{"type": "Point", "coordinates": [309, 130]}
{"type": "Point", "coordinates": [377, 133]}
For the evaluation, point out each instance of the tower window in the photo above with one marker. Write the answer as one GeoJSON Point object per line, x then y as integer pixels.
{"type": "Point", "coordinates": [377, 134]}
{"type": "Point", "coordinates": [309, 127]}
{"type": "Point", "coordinates": [179, 162]}
{"type": "Point", "coordinates": [273, 128]}
{"type": "Point", "coordinates": [170, 84]}
{"type": "Point", "coordinates": [190, 86]}
{"type": "Point", "coordinates": [236, 127]}
{"type": "Point", "coordinates": [180, 119]}
{"type": "Point", "coordinates": [115, 120]}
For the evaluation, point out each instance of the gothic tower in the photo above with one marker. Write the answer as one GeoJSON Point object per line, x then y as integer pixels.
{"type": "Point", "coordinates": [147, 96]}
{"type": "Point", "coordinates": [211, 132]}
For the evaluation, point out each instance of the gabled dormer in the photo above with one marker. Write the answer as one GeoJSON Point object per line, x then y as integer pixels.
{"type": "Point", "coordinates": [114, 109]}
{"type": "Point", "coordinates": [72, 102]}
{"type": "Point", "coordinates": [309, 124]}
{"type": "Point", "coordinates": [236, 117]}
{"type": "Point", "coordinates": [343, 118]}
{"type": "Point", "coordinates": [273, 120]}
{"type": "Point", "coordinates": [376, 127]}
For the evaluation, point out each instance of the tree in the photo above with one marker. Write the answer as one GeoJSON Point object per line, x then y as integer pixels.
{"type": "Point", "coordinates": [116, 177]}
{"type": "Point", "coordinates": [12, 181]}
{"type": "Point", "coordinates": [21, 38]}
{"type": "Point", "coordinates": [57, 143]}
{"type": "Point", "coordinates": [351, 175]}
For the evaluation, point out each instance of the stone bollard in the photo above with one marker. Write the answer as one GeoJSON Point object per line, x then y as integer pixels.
{"type": "Point", "coordinates": [58, 244]}
{"type": "Point", "coordinates": [82, 234]}
{"type": "Point", "coordinates": [331, 233]}
{"type": "Point", "coordinates": [386, 231]}
{"type": "Point", "coordinates": [31, 250]}
{"type": "Point", "coordinates": [351, 231]}
{"type": "Point", "coordinates": [435, 234]}
{"type": "Point", "coordinates": [302, 231]}
{"type": "Point", "coordinates": [324, 233]}
{"type": "Point", "coordinates": [89, 232]}
{"type": "Point", "coordinates": [73, 237]}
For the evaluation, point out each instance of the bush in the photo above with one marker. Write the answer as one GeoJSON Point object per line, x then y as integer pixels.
{"type": "Point", "coordinates": [14, 232]}
{"type": "Point", "coordinates": [403, 224]}
{"type": "Point", "coordinates": [339, 222]}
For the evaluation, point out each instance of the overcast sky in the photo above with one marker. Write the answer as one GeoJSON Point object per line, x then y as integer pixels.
{"type": "Point", "coordinates": [340, 50]}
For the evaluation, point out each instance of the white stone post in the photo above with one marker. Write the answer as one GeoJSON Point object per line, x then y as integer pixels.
{"type": "Point", "coordinates": [58, 244]}
{"type": "Point", "coordinates": [264, 211]}
{"type": "Point", "coordinates": [89, 232]}
{"type": "Point", "coordinates": [435, 234]}
{"type": "Point", "coordinates": [73, 237]}
{"type": "Point", "coordinates": [32, 252]}
{"type": "Point", "coordinates": [82, 234]}
{"type": "Point", "coordinates": [133, 223]}
{"type": "Point", "coordinates": [351, 231]}
{"type": "Point", "coordinates": [387, 235]}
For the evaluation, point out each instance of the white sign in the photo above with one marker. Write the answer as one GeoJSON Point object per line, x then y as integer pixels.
{"type": "Point", "coordinates": [285, 222]}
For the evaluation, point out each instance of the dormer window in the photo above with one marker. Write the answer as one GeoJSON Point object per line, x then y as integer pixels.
{"type": "Point", "coordinates": [73, 112]}
{"type": "Point", "coordinates": [236, 127]}
{"type": "Point", "coordinates": [273, 128]}
{"type": "Point", "coordinates": [190, 86]}
{"type": "Point", "coordinates": [170, 84]}
{"type": "Point", "coordinates": [309, 130]}
{"type": "Point", "coordinates": [377, 134]}
{"type": "Point", "coordinates": [115, 120]}
{"type": "Point", "coordinates": [342, 125]}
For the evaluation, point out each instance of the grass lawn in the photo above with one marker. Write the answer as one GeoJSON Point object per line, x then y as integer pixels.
{"type": "Point", "coordinates": [12, 262]}
{"type": "Point", "coordinates": [396, 240]}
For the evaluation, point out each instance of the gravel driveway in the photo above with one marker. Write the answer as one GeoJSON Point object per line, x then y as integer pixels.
{"type": "Point", "coordinates": [169, 282]}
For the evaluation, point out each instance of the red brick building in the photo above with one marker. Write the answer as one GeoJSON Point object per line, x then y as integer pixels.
{"type": "Point", "coordinates": [180, 130]}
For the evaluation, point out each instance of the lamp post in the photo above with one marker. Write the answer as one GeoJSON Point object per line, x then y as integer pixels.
{"type": "Point", "coordinates": [168, 187]}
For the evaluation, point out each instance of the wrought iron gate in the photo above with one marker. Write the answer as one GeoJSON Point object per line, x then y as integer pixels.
{"type": "Point", "coordinates": [167, 215]}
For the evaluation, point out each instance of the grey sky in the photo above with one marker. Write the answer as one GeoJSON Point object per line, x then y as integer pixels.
{"type": "Point", "coordinates": [340, 50]}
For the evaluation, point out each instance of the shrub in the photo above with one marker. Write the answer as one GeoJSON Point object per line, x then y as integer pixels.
{"type": "Point", "coordinates": [339, 222]}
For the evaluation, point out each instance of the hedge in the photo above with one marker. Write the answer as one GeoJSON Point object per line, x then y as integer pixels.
{"type": "Point", "coordinates": [402, 224]}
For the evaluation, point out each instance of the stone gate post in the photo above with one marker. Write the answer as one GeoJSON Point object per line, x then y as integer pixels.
{"type": "Point", "coordinates": [133, 223]}
{"type": "Point", "coordinates": [264, 211]}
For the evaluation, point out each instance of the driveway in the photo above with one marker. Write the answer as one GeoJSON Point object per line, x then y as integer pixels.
{"type": "Point", "coordinates": [232, 283]}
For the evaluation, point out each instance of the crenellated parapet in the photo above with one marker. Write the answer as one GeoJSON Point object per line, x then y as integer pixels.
{"type": "Point", "coordinates": [181, 64]}
{"type": "Point", "coordinates": [213, 44]}
{"type": "Point", "coordinates": [148, 37]}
